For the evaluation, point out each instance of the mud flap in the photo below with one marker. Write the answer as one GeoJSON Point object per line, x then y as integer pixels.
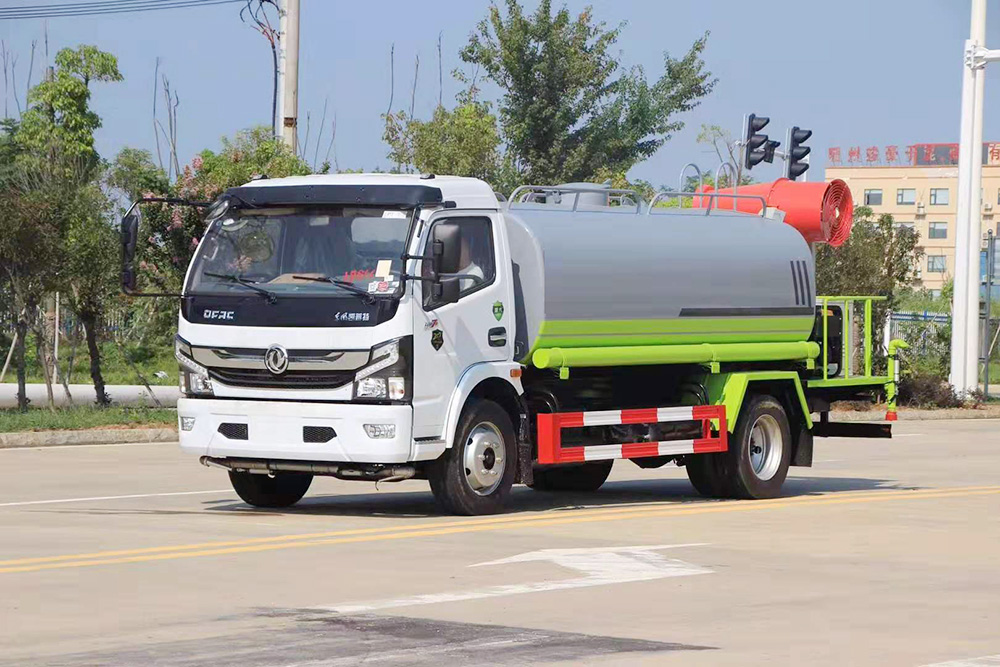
{"type": "Point", "coordinates": [802, 451]}
{"type": "Point", "coordinates": [825, 429]}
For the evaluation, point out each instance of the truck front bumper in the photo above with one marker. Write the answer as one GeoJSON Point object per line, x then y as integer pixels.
{"type": "Point", "coordinates": [276, 430]}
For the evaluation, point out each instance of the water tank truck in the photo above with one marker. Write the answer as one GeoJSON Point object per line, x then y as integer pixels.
{"type": "Point", "coordinates": [382, 327]}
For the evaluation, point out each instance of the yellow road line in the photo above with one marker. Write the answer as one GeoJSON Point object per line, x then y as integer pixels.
{"type": "Point", "coordinates": [519, 519]}
{"type": "Point", "coordinates": [456, 527]}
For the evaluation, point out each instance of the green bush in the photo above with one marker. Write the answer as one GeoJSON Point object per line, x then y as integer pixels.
{"type": "Point", "coordinates": [927, 389]}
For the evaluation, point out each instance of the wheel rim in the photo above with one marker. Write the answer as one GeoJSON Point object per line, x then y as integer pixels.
{"type": "Point", "coordinates": [765, 447]}
{"type": "Point", "coordinates": [484, 458]}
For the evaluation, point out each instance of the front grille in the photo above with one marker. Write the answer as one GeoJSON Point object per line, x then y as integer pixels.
{"type": "Point", "coordinates": [251, 377]}
{"type": "Point", "coordinates": [318, 434]}
{"type": "Point", "coordinates": [234, 431]}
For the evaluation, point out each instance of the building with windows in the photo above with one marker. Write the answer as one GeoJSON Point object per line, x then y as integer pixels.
{"type": "Point", "coordinates": [919, 190]}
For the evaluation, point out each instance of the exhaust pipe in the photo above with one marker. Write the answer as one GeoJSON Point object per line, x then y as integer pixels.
{"type": "Point", "coordinates": [371, 472]}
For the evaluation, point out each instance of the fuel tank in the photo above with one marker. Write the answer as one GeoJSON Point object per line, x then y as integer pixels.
{"type": "Point", "coordinates": [602, 278]}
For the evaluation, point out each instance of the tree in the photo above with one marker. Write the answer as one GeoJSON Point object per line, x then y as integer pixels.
{"type": "Point", "coordinates": [59, 117]}
{"type": "Point", "coordinates": [464, 141]}
{"type": "Point", "coordinates": [878, 259]}
{"type": "Point", "coordinates": [32, 216]}
{"type": "Point", "coordinates": [170, 234]}
{"type": "Point", "coordinates": [57, 138]}
{"type": "Point", "coordinates": [92, 269]}
{"type": "Point", "coordinates": [724, 147]}
{"type": "Point", "coordinates": [567, 111]}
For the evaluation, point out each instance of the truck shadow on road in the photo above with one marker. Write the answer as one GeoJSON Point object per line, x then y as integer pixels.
{"type": "Point", "coordinates": [666, 492]}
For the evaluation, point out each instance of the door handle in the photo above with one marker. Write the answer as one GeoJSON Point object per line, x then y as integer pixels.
{"type": "Point", "coordinates": [498, 337]}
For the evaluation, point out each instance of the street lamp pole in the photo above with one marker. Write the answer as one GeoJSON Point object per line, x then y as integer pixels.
{"type": "Point", "coordinates": [965, 304]}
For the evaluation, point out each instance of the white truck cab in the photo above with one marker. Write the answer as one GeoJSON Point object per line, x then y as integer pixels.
{"type": "Point", "coordinates": [308, 345]}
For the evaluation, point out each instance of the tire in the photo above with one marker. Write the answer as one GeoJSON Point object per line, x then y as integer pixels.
{"type": "Point", "coordinates": [708, 475]}
{"type": "Point", "coordinates": [485, 436]}
{"type": "Point", "coordinates": [760, 450]}
{"type": "Point", "coordinates": [586, 477]}
{"type": "Point", "coordinates": [282, 489]}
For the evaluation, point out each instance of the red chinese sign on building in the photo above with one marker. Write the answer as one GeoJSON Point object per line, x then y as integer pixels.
{"type": "Point", "coordinates": [833, 155]}
{"type": "Point", "coordinates": [854, 154]}
{"type": "Point", "coordinates": [892, 154]}
{"type": "Point", "coordinates": [871, 154]}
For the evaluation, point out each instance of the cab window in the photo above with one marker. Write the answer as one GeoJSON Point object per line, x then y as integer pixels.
{"type": "Point", "coordinates": [477, 257]}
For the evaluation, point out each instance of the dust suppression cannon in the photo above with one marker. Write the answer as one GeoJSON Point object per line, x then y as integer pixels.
{"type": "Point", "coordinates": [796, 165]}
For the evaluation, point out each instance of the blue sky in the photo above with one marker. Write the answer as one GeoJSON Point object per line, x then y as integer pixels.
{"type": "Point", "coordinates": [861, 72]}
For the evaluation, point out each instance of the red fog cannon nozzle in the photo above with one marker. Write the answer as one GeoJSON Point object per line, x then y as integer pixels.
{"type": "Point", "coordinates": [822, 212]}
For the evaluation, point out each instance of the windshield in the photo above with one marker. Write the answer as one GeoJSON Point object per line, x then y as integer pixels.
{"type": "Point", "coordinates": [286, 250]}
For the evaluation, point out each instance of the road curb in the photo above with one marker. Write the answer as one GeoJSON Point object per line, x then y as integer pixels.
{"type": "Point", "coordinates": [96, 436]}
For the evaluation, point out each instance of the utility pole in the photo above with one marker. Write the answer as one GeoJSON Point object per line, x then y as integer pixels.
{"type": "Point", "coordinates": [289, 72]}
{"type": "Point", "coordinates": [282, 30]}
{"type": "Point", "coordinates": [965, 306]}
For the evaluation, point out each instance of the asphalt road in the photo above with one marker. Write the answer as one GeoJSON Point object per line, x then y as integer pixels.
{"type": "Point", "coordinates": [884, 553]}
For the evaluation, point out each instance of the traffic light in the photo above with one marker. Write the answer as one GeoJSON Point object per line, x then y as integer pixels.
{"type": "Point", "coordinates": [797, 152]}
{"type": "Point", "coordinates": [758, 147]}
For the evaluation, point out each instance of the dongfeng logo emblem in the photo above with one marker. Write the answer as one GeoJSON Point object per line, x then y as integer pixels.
{"type": "Point", "coordinates": [276, 359]}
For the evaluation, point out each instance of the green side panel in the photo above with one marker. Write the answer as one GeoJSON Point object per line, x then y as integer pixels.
{"type": "Point", "coordinates": [860, 381]}
{"type": "Point", "coordinates": [613, 333]}
{"type": "Point", "coordinates": [730, 389]}
{"type": "Point", "coordinates": [642, 355]}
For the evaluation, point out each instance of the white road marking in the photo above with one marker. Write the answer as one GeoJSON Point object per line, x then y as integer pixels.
{"type": "Point", "coordinates": [601, 566]}
{"type": "Point", "coordinates": [970, 662]}
{"type": "Point", "coordinates": [134, 495]}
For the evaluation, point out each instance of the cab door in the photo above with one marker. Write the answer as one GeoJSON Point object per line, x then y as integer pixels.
{"type": "Point", "coordinates": [450, 338]}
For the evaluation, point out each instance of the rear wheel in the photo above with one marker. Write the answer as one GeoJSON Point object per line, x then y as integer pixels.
{"type": "Point", "coordinates": [282, 489]}
{"type": "Point", "coordinates": [707, 473]}
{"type": "Point", "coordinates": [760, 449]}
{"type": "Point", "coordinates": [586, 477]}
{"type": "Point", "coordinates": [475, 475]}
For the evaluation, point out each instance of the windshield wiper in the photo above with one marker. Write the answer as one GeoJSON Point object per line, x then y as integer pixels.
{"type": "Point", "coordinates": [240, 280]}
{"type": "Point", "coordinates": [349, 286]}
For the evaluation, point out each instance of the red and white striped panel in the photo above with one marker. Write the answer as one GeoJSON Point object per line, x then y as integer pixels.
{"type": "Point", "coordinates": [550, 426]}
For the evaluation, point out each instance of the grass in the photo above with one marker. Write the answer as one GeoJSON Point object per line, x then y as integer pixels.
{"type": "Point", "coordinates": [114, 368]}
{"type": "Point", "coordinates": [42, 419]}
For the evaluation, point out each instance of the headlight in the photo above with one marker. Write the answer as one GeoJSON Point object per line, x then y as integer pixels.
{"type": "Point", "coordinates": [193, 380]}
{"type": "Point", "coordinates": [387, 375]}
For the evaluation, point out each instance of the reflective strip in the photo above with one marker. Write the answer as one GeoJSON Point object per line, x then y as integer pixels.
{"type": "Point", "coordinates": [676, 447]}
{"type": "Point", "coordinates": [682, 413]}
{"type": "Point", "coordinates": [601, 452]}
{"type": "Point", "coordinates": [602, 418]}
{"type": "Point", "coordinates": [616, 417]}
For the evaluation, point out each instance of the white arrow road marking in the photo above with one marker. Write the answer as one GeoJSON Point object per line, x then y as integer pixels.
{"type": "Point", "coordinates": [601, 566]}
{"type": "Point", "coordinates": [970, 662]}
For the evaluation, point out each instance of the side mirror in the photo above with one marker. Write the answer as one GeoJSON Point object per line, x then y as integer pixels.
{"type": "Point", "coordinates": [446, 291]}
{"type": "Point", "coordinates": [446, 248]}
{"type": "Point", "coordinates": [129, 239]}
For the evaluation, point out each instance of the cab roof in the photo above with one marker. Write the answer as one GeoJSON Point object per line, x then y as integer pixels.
{"type": "Point", "coordinates": [404, 190]}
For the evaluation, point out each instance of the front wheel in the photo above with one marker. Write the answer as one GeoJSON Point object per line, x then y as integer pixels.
{"type": "Point", "coordinates": [475, 475]}
{"type": "Point", "coordinates": [282, 489]}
